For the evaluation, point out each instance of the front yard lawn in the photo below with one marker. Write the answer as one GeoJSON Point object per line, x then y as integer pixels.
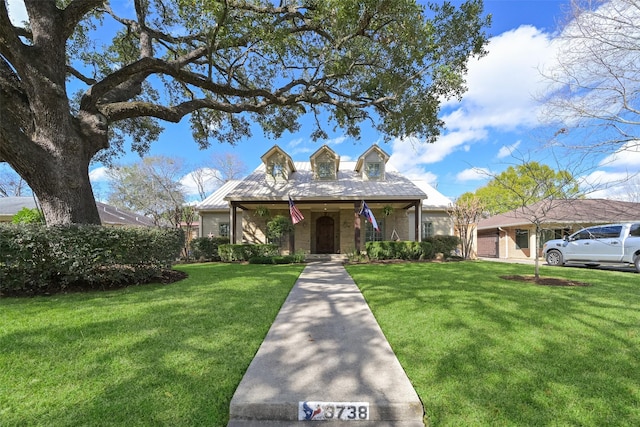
{"type": "Point", "coordinates": [479, 350]}
{"type": "Point", "coordinates": [163, 355]}
{"type": "Point", "coordinates": [484, 351]}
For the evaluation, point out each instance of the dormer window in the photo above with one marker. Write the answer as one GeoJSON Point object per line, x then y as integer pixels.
{"type": "Point", "coordinates": [324, 164]}
{"type": "Point", "coordinates": [373, 170]}
{"type": "Point", "coordinates": [371, 165]}
{"type": "Point", "coordinates": [278, 165]}
{"type": "Point", "coordinates": [276, 170]}
{"type": "Point", "coordinates": [326, 170]}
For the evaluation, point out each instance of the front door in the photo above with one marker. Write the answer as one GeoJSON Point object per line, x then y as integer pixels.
{"type": "Point", "coordinates": [325, 235]}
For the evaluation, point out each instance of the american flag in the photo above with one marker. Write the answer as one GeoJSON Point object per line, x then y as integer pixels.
{"type": "Point", "coordinates": [366, 212]}
{"type": "Point", "coordinates": [296, 215]}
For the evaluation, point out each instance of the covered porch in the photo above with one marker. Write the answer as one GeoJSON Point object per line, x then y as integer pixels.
{"type": "Point", "coordinates": [330, 226]}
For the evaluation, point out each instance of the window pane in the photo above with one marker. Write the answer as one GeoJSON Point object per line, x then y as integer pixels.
{"type": "Point", "coordinates": [610, 232]}
{"type": "Point", "coordinates": [373, 170]}
{"type": "Point", "coordinates": [427, 229]}
{"type": "Point", "coordinates": [325, 170]}
{"type": "Point", "coordinates": [223, 229]}
{"type": "Point", "coordinates": [371, 235]}
{"type": "Point", "coordinates": [522, 239]}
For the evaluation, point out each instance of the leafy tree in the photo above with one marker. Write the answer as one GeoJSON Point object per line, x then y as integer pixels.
{"type": "Point", "coordinates": [594, 86]}
{"type": "Point", "coordinates": [151, 187]}
{"type": "Point", "coordinates": [224, 64]}
{"type": "Point", "coordinates": [530, 190]}
{"type": "Point", "coordinates": [279, 227]}
{"type": "Point", "coordinates": [525, 184]}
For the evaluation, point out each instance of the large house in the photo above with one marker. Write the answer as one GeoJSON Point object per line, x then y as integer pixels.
{"type": "Point", "coordinates": [330, 195]}
{"type": "Point", "coordinates": [512, 235]}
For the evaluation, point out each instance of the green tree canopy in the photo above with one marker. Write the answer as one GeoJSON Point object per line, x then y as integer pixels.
{"type": "Point", "coordinates": [525, 184]}
{"type": "Point", "coordinates": [224, 64]}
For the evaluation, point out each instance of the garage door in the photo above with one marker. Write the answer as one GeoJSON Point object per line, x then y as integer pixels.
{"type": "Point", "coordinates": [488, 245]}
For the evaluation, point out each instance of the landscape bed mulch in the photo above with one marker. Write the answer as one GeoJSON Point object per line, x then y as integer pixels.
{"type": "Point", "coordinates": [545, 281]}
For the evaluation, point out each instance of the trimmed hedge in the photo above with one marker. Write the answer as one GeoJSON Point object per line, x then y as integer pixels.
{"type": "Point", "coordinates": [446, 245]}
{"type": "Point", "coordinates": [279, 259]}
{"type": "Point", "coordinates": [231, 253]}
{"type": "Point", "coordinates": [399, 250]}
{"type": "Point", "coordinates": [206, 248]}
{"type": "Point", "coordinates": [35, 258]}
{"type": "Point", "coordinates": [412, 250]}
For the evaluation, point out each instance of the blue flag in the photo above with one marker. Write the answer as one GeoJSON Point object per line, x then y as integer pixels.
{"type": "Point", "coordinates": [366, 212]}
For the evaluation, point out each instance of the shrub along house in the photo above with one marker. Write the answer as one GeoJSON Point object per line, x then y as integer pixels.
{"type": "Point", "coordinates": [329, 195]}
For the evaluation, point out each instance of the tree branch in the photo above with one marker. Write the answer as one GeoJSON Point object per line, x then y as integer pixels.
{"type": "Point", "coordinates": [75, 12]}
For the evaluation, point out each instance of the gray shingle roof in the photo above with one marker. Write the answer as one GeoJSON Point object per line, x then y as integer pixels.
{"type": "Point", "coordinates": [115, 216]}
{"type": "Point", "coordinates": [110, 215]}
{"type": "Point", "coordinates": [578, 211]}
{"type": "Point", "coordinates": [11, 205]}
{"type": "Point", "coordinates": [301, 186]}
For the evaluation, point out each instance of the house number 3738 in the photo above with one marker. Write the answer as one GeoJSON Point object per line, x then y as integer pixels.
{"type": "Point", "coordinates": [344, 411]}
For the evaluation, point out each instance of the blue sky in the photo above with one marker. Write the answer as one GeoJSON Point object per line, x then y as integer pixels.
{"type": "Point", "coordinates": [495, 125]}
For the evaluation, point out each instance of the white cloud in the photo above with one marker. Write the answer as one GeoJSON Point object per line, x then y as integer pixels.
{"type": "Point", "coordinates": [336, 141]}
{"type": "Point", "coordinates": [99, 174]}
{"type": "Point", "coordinates": [500, 97]}
{"type": "Point", "coordinates": [410, 152]}
{"type": "Point", "coordinates": [627, 156]}
{"type": "Point", "coordinates": [473, 174]}
{"type": "Point", "coordinates": [507, 150]}
{"type": "Point", "coordinates": [502, 84]}
{"type": "Point", "coordinates": [295, 142]}
{"type": "Point", "coordinates": [208, 177]}
{"type": "Point", "coordinates": [611, 185]}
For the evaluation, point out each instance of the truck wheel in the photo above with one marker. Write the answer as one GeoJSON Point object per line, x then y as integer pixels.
{"type": "Point", "coordinates": [554, 258]}
{"type": "Point", "coordinates": [637, 263]}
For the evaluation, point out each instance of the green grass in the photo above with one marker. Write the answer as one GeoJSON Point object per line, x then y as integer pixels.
{"type": "Point", "coordinates": [485, 351]}
{"type": "Point", "coordinates": [148, 355]}
{"type": "Point", "coordinates": [479, 350]}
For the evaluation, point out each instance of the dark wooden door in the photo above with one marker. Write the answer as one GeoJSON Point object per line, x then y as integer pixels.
{"type": "Point", "coordinates": [325, 235]}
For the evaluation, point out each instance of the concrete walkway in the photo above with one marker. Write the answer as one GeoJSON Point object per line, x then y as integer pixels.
{"type": "Point", "coordinates": [325, 346]}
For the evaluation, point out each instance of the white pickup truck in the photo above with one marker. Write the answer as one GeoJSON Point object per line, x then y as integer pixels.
{"type": "Point", "coordinates": [611, 244]}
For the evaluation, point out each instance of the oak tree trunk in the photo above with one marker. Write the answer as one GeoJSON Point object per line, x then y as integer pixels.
{"type": "Point", "coordinates": [44, 141]}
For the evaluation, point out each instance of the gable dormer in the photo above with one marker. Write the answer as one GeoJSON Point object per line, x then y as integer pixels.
{"type": "Point", "coordinates": [371, 164]}
{"type": "Point", "coordinates": [278, 165]}
{"type": "Point", "coordinates": [325, 163]}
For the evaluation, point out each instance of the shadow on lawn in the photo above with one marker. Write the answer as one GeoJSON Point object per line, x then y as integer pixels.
{"type": "Point", "coordinates": [151, 355]}
{"type": "Point", "coordinates": [482, 351]}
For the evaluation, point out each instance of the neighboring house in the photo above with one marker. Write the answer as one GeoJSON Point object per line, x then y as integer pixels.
{"type": "Point", "coordinates": [109, 215]}
{"type": "Point", "coordinates": [512, 234]}
{"type": "Point", "coordinates": [329, 194]}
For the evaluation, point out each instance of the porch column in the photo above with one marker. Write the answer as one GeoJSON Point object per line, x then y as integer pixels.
{"type": "Point", "coordinates": [356, 225]}
{"type": "Point", "coordinates": [418, 221]}
{"type": "Point", "coordinates": [233, 217]}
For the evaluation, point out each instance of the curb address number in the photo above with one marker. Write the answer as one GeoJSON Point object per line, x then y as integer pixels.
{"type": "Point", "coordinates": [343, 411]}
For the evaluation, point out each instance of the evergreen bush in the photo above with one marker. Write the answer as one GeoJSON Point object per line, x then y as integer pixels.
{"type": "Point", "coordinates": [35, 258]}
{"type": "Point", "coordinates": [206, 248]}
{"type": "Point", "coordinates": [399, 250]}
{"type": "Point", "coordinates": [446, 245]}
{"type": "Point", "coordinates": [244, 252]}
